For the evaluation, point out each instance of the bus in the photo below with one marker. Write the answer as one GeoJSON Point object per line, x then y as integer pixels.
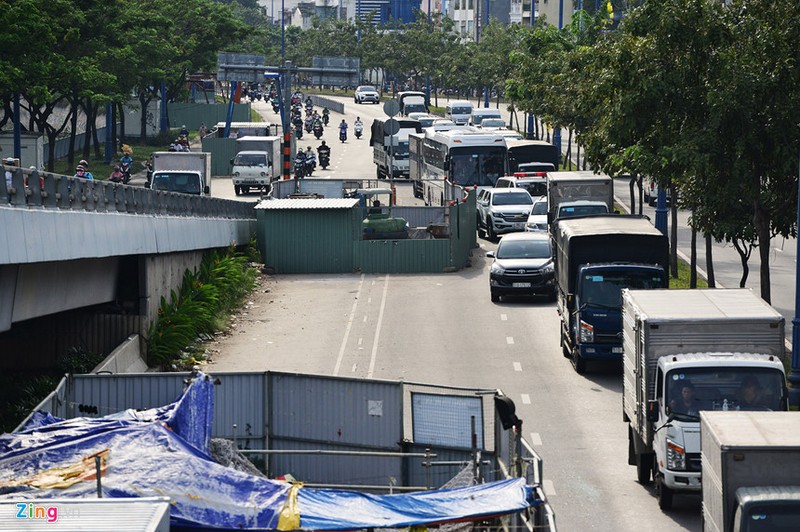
{"type": "Point", "coordinates": [531, 151]}
{"type": "Point", "coordinates": [469, 158]}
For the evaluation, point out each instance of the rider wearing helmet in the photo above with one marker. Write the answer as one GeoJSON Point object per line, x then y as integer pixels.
{"type": "Point", "coordinates": [82, 164]}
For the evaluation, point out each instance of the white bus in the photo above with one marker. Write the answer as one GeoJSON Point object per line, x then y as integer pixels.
{"type": "Point", "coordinates": [467, 158]}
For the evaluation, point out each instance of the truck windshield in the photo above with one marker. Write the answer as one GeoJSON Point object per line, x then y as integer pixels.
{"type": "Point", "coordinates": [572, 211]}
{"type": "Point", "coordinates": [778, 517]}
{"type": "Point", "coordinates": [477, 165]}
{"type": "Point", "coordinates": [603, 288]}
{"type": "Point", "coordinates": [187, 183]}
{"type": "Point", "coordinates": [400, 150]}
{"type": "Point", "coordinates": [690, 390]}
{"type": "Point", "coordinates": [250, 159]}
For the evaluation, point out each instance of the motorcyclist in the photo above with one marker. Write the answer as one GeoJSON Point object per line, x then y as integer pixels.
{"type": "Point", "coordinates": [116, 176]}
{"type": "Point", "coordinates": [125, 160]}
{"type": "Point", "coordinates": [343, 130]}
{"type": "Point", "coordinates": [309, 103]}
{"type": "Point", "coordinates": [311, 156]}
{"type": "Point", "coordinates": [324, 154]}
{"type": "Point", "coordinates": [358, 126]}
{"type": "Point", "coordinates": [326, 115]}
{"type": "Point", "coordinates": [86, 173]}
{"type": "Point", "coordinates": [300, 163]}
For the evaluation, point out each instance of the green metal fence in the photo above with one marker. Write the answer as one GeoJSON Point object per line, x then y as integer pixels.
{"type": "Point", "coordinates": [222, 151]}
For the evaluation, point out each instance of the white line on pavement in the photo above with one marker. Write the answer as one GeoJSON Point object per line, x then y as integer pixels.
{"type": "Point", "coordinates": [517, 366]}
{"type": "Point", "coordinates": [536, 439]}
{"type": "Point", "coordinates": [503, 317]}
{"type": "Point", "coordinates": [510, 340]}
{"type": "Point", "coordinates": [549, 489]}
{"type": "Point", "coordinates": [526, 399]}
{"type": "Point", "coordinates": [378, 330]}
{"type": "Point", "coordinates": [347, 329]}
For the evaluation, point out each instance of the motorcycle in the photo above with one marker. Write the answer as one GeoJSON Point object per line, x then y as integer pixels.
{"type": "Point", "coordinates": [276, 107]}
{"type": "Point", "coordinates": [318, 130]}
{"type": "Point", "coordinates": [324, 160]}
{"type": "Point", "coordinates": [343, 135]}
{"type": "Point", "coordinates": [358, 129]}
{"type": "Point", "coordinates": [298, 131]}
{"type": "Point", "coordinates": [311, 163]}
{"type": "Point", "coordinates": [309, 125]}
{"type": "Point", "coordinates": [125, 168]}
{"type": "Point", "coordinates": [325, 118]}
{"type": "Point", "coordinates": [299, 168]}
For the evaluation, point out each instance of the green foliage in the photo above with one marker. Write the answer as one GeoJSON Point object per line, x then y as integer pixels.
{"type": "Point", "coordinates": [206, 296]}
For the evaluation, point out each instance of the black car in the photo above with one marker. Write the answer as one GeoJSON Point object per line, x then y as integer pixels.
{"type": "Point", "coordinates": [522, 266]}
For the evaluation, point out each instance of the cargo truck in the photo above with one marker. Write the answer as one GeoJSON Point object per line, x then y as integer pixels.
{"type": "Point", "coordinates": [565, 189]}
{"type": "Point", "coordinates": [390, 151]}
{"type": "Point", "coordinates": [185, 172]}
{"type": "Point", "coordinates": [751, 471]}
{"type": "Point", "coordinates": [258, 163]}
{"type": "Point", "coordinates": [686, 351]}
{"type": "Point", "coordinates": [595, 257]}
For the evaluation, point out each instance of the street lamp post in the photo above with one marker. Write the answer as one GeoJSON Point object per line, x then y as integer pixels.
{"type": "Point", "coordinates": [794, 374]}
{"type": "Point", "coordinates": [428, 74]}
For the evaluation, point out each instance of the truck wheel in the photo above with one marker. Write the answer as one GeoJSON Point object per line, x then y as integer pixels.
{"type": "Point", "coordinates": [664, 496]}
{"type": "Point", "coordinates": [237, 189]}
{"type": "Point", "coordinates": [495, 296]}
{"type": "Point", "coordinates": [644, 466]}
{"type": "Point", "coordinates": [245, 190]}
{"type": "Point", "coordinates": [579, 363]}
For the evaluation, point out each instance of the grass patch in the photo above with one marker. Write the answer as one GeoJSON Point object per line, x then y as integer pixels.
{"type": "Point", "coordinates": [682, 280]}
{"type": "Point", "coordinates": [200, 307]}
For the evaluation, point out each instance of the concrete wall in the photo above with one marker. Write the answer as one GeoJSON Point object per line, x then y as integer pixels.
{"type": "Point", "coordinates": [159, 274]}
{"type": "Point", "coordinates": [127, 358]}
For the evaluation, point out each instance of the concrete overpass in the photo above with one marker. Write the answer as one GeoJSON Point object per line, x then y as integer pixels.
{"type": "Point", "coordinates": [83, 264]}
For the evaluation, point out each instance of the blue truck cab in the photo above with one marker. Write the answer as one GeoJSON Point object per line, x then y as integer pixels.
{"type": "Point", "coordinates": [595, 258]}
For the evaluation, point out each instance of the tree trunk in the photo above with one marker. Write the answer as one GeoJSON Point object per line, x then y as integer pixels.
{"type": "Point", "coordinates": [761, 219]}
{"type": "Point", "coordinates": [633, 197]}
{"type": "Point", "coordinates": [712, 281]}
{"type": "Point", "coordinates": [693, 259]}
{"type": "Point", "coordinates": [95, 140]}
{"type": "Point", "coordinates": [744, 250]}
{"type": "Point", "coordinates": [73, 133]}
{"type": "Point", "coordinates": [638, 186]}
{"type": "Point", "coordinates": [143, 102]}
{"type": "Point", "coordinates": [568, 156]}
{"type": "Point", "coordinates": [87, 130]}
{"type": "Point", "coordinates": [673, 237]}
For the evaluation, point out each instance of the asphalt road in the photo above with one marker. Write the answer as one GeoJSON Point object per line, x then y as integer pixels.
{"type": "Point", "coordinates": [443, 329]}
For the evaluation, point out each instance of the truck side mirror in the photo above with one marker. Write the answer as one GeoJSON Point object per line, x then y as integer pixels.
{"type": "Point", "coordinates": [549, 218]}
{"type": "Point", "coordinates": [652, 410]}
{"type": "Point", "coordinates": [231, 162]}
{"type": "Point", "coordinates": [207, 190]}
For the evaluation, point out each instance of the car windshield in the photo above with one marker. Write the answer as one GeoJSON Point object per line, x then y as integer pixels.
{"type": "Point", "coordinates": [250, 160]}
{"type": "Point", "coordinates": [535, 188]}
{"type": "Point", "coordinates": [690, 390]}
{"type": "Point", "coordinates": [367, 88]}
{"type": "Point", "coordinates": [540, 207]}
{"type": "Point", "coordinates": [603, 288]}
{"type": "Point", "coordinates": [536, 167]}
{"type": "Point", "coordinates": [492, 122]}
{"type": "Point", "coordinates": [524, 249]}
{"type": "Point", "coordinates": [512, 198]}
{"type": "Point", "coordinates": [460, 110]}
{"type": "Point", "coordinates": [581, 210]}
{"type": "Point", "coordinates": [477, 165]}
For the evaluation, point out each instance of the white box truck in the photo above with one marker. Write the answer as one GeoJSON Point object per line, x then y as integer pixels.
{"type": "Point", "coordinates": [751, 471]}
{"type": "Point", "coordinates": [686, 351]}
{"type": "Point", "coordinates": [185, 172]}
{"type": "Point", "coordinates": [257, 163]}
{"type": "Point", "coordinates": [579, 193]}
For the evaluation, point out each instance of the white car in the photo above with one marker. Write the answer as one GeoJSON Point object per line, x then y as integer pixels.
{"type": "Point", "coordinates": [366, 93]}
{"type": "Point", "coordinates": [502, 210]}
{"type": "Point", "coordinates": [537, 220]}
{"type": "Point", "coordinates": [489, 124]}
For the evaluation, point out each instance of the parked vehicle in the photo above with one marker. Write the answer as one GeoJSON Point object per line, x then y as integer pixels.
{"type": "Point", "coordinates": [502, 210]}
{"type": "Point", "coordinates": [479, 113]}
{"type": "Point", "coordinates": [751, 470]}
{"type": "Point", "coordinates": [366, 93]}
{"type": "Point", "coordinates": [570, 187]}
{"type": "Point", "coordinates": [411, 102]}
{"type": "Point", "coordinates": [459, 111]}
{"type": "Point", "coordinates": [522, 266]}
{"type": "Point", "coordinates": [537, 220]}
{"type": "Point", "coordinates": [390, 152]}
{"type": "Point", "coordinates": [257, 163]}
{"type": "Point", "coordinates": [686, 351]}
{"type": "Point", "coordinates": [185, 172]}
{"type": "Point", "coordinates": [596, 257]}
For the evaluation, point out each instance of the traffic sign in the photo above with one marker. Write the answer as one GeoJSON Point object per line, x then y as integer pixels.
{"type": "Point", "coordinates": [391, 126]}
{"type": "Point", "coordinates": [391, 108]}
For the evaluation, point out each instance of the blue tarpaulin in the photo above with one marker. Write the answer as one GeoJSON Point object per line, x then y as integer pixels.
{"type": "Point", "coordinates": [163, 452]}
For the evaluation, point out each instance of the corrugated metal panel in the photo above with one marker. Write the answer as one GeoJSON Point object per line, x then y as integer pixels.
{"type": "Point", "coordinates": [114, 393]}
{"type": "Point", "coordinates": [445, 420]}
{"type": "Point", "coordinates": [336, 410]}
{"type": "Point", "coordinates": [402, 256]}
{"type": "Point", "coordinates": [55, 403]}
{"type": "Point", "coordinates": [327, 469]}
{"type": "Point", "coordinates": [436, 476]}
{"type": "Point", "coordinates": [306, 204]}
{"type": "Point", "coordinates": [149, 514]}
{"type": "Point", "coordinates": [222, 151]}
{"type": "Point", "coordinates": [420, 216]}
{"type": "Point", "coordinates": [281, 189]}
{"type": "Point", "coordinates": [308, 240]}
{"type": "Point", "coordinates": [240, 400]}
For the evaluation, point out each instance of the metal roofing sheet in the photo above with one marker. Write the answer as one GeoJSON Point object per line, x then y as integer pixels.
{"type": "Point", "coordinates": [149, 514]}
{"type": "Point", "coordinates": [293, 204]}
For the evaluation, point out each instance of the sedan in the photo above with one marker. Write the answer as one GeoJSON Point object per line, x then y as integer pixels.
{"type": "Point", "coordinates": [522, 266]}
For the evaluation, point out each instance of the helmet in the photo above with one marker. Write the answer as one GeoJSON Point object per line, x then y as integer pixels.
{"type": "Point", "coordinates": [183, 126]}
{"type": "Point", "coordinates": [116, 167]}
{"type": "Point", "coordinates": [80, 168]}
{"type": "Point", "coordinates": [309, 147]}
{"type": "Point", "coordinates": [323, 142]}
{"type": "Point", "coordinates": [9, 160]}
{"type": "Point", "coordinates": [83, 163]}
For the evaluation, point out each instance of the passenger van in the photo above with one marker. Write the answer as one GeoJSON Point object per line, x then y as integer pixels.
{"type": "Point", "coordinates": [480, 113]}
{"type": "Point", "coordinates": [459, 111]}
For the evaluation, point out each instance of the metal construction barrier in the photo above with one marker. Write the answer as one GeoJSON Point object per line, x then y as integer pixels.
{"type": "Point", "coordinates": [333, 105]}
{"type": "Point", "coordinates": [30, 188]}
